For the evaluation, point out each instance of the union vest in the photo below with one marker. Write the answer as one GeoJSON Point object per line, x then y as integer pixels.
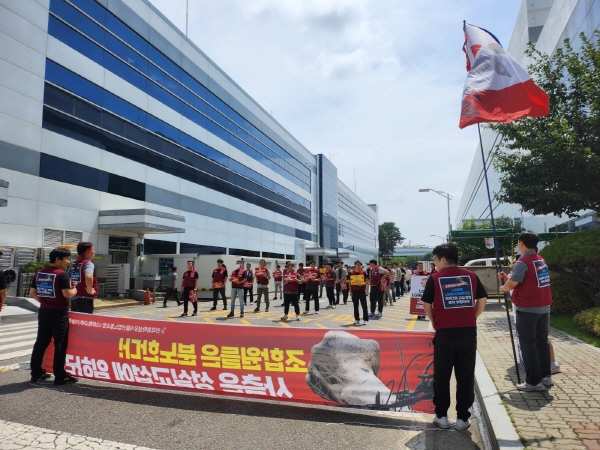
{"type": "Point", "coordinates": [291, 286]}
{"type": "Point", "coordinates": [355, 287]}
{"type": "Point", "coordinates": [78, 279]}
{"type": "Point", "coordinates": [248, 278]}
{"type": "Point", "coordinates": [189, 278]}
{"type": "Point", "coordinates": [48, 289]}
{"type": "Point", "coordinates": [218, 275]}
{"type": "Point", "coordinates": [278, 275]}
{"type": "Point", "coordinates": [330, 278]}
{"type": "Point", "coordinates": [535, 289]}
{"type": "Point", "coordinates": [261, 276]}
{"type": "Point", "coordinates": [375, 276]}
{"type": "Point", "coordinates": [312, 278]}
{"type": "Point", "coordinates": [238, 279]}
{"type": "Point", "coordinates": [455, 306]}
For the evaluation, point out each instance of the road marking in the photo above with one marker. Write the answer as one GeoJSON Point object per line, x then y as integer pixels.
{"type": "Point", "coordinates": [126, 316]}
{"type": "Point", "coordinates": [12, 333]}
{"type": "Point", "coordinates": [412, 323]}
{"type": "Point", "coordinates": [245, 322]}
{"type": "Point", "coordinates": [19, 326]}
{"type": "Point", "coordinates": [284, 324]}
{"type": "Point", "coordinates": [148, 312]}
{"type": "Point", "coordinates": [15, 354]}
{"type": "Point", "coordinates": [381, 328]}
{"type": "Point", "coordinates": [16, 338]}
{"type": "Point", "coordinates": [320, 326]}
{"type": "Point", "coordinates": [17, 345]}
{"type": "Point", "coordinates": [208, 319]}
{"type": "Point", "coordinates": [171, 319]}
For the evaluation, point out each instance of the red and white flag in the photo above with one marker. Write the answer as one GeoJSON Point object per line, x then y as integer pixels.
{"type": "Point", "coordinates": [497, 89]}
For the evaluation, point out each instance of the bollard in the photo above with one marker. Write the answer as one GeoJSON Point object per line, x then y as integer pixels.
{"type": "Point", "coordinates": [147, 297]}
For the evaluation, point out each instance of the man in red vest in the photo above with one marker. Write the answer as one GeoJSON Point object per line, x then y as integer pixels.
{"type": "Point", "coordinates": [263, 275]}
{"type": "Point", "coordinates": [358, 292]}
{"type": "Point", "coordinates": [531, 298]}
{"type": "Point", "coordinates": [189, 283]}
{"type": "Point", "coordinates": [376, 274]}
{"type": "Point", "coordinates": [453, 299]}
{"type": "Point", "coordinates": [278, 277]}
{"type": "Point", "coordinates": [219, 277]}
{"type": "Point", "coordinates": [237, 288]}
{"type": "Point", "coordinates": [84, 279]}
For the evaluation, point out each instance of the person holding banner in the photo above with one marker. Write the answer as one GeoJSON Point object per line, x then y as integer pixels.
{"type": "Point", "coordinates": [237, 288]}
{"type": "Point", "coordinates": [53, 288]}
{"type": "Point", "coordinates": [453, 300]}
{"type": "Point", "coordinates": [376, 276]}
{"type": "Point", "coordinates": [278, 277]}
{"type": "Point", "coordinates": [531, 298]}
{"type": "Point", "coordinates": [312, 278]}
{"type": "Point", "coordinates": [291, 281]}
{"type": "Point", "coordinates": [219, 277]}
{"type": "Point", "coordinates": [420, 273]}
{"type": "Point", "coordinates": [189, 283]}
{"type": "Point", "coordinates": [358, 286]}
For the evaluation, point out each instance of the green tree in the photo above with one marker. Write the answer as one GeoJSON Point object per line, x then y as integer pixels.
{"type": "Point", "coordinates": [389, 237]}
{"type": "Point", "coordinates": [474, 248]}
{"type": "Point", "coordinates": [550, 165]}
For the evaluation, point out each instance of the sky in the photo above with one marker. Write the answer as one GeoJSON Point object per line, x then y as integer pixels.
{"type": "Point", "coordinates": [373, 85]}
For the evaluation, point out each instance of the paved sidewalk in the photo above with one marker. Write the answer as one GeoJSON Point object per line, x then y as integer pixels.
{"type": "Point", "coordinates": [567, 416]}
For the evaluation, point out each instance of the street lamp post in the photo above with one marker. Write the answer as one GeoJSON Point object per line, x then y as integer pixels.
{"type": "Point", "coordinates": [437, 235]}
{"type": "Point", "coordinates": [448, 198]}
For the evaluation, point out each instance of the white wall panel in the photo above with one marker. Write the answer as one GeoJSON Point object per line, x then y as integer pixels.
{"type": "Point", "coordinates": [217, 239]}
{"type": "Point", "coordinates": [70, 149]}
{"type": "Point", "coordinates": [57, 193]}
{"type": "Point", "coordinates": [29, 10]}
{"type": "Point", "coordinates": [112, 201]}
{"type": "Point", "coordinates": [18, 235]}
{"type": "Point", "coordinates": [217, 225]}
{"type": "Point", "coordinates": [21, 185]}
{"type": "Point", "coordinates": [19, 132]}
{"type": "Point", "coordinates": [64, 218]}
{"type": "Point", "coordinates": [73, 60]}
{"type": "Point", "coordinates": [192, 190]}
{"type": "Point", "coordinates": [20, 107]}
{"type": "Point", "coordinates": [21, 55]}
{"type": "Point", "coordinates": [22, 30]}
{"type": "Point", "coordinates": [21, 81]}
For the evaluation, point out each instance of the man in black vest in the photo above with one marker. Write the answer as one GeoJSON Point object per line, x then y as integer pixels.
{"type": "Point", "coordinates": [453, 300]}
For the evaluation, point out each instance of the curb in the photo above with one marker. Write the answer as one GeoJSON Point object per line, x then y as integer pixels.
{"type": "Point", "coordinates": [502, 431]}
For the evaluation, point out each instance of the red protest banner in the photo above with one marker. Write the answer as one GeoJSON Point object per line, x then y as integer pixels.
{"type": "Point", "coordinates": [416, 307]}
{"type": "Point", "coordinates": [368, 368]}
{"type": "Point", "coordinates": [417, 286]}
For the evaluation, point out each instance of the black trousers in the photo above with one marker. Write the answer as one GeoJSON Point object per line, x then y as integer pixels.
{"type": "Point", "coordinates": [171, 292]}
{"type": "Point", "coordinates": [52, 323]}
{"type": "Point", "coordinates": [399, 285]}
{"type": "Point", "coordinates": [291, 298]}
{"type": "Point", "coordinates": [302, 291]}
{"type": "Point", "coordinates": [216, 293]}
{"type": "Point", "coordinates": [376, 297]}
{"type": "Point", "coordinates": [456, 353]}
{"type": "Point", "coordinates": [330, 294]}
{"type": "Point", "coordinates": [312, 294]}
{"type": "Point", "coordinates": [249, 290]}
{"type": "Point", "coordinates": [532, 331]}
{"type": "Point", "coordinates": [82, 304]}
{"type": "Point", "coordinates": [186, 299]}
{"type": "Point", "coordinates": [338, 289]}
{"type": "Point", "coordinates": [360, 297]}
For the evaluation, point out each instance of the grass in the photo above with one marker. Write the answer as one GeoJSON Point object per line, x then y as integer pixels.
{"type": "Point", "coordinates": [568, 325]}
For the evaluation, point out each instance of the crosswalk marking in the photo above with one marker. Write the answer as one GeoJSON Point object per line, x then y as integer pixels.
{"type": "Point", "coordinates": [12, 333]}
{"type": "Point", "coordinates": [17, 326]}
{"type": "Point", "coordinates": [17, 338]}
{"type": "Point", "coordinates": [5, 356]}
{"type": "Point", "coordinates": [17, 345]}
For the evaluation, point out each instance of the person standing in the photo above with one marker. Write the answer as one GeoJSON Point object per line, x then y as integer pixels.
{"type": "Point", "coordinates": [263, 275]}
{"type": "Point", "coordinates": [422, 273]}
{"type": "Point", "coordinates": [278, 277]}
{"type": "Point", "coordinates": [301, 287]}
{"type": "Point", "coordinates": [312, 278]}
{"type": "Point", "coordinates": [219, 277]}
{"type": "Point", "coordinates": [376, 275]}
{"type": "Point", "coordinates": [531, 297]}
{"type": "Point", "coordinates": [341, 283]}
{"type": "Point", "coordinates": [249, 283]}
{"type": "Point", "coordinates": [82, 275]}
{"type": "Point", "coordinates": [172, 287]}
{"type": "Point", "coordinates": [237, 288]}
{"type": "Point", "coordinates": [390, 291]}
{"type": "Point", "coordinates": [285, 267]}
{"type": "Point", "coordinates": [322, 271]}
{"type": "Point", "coordinates": [291, 281]}
{"type": "Point", "coordinates": [358, 286]}
{"type": "Point", "coordinates": [408, 274]}
{"type": "Point", "coordinates": [397, 279]}
{"type": "Point", "coordinates": [189, 284]}
{"type": "Point", "coordinates": [330, 284]}
{"type": "Point", "coordinates": [53, 288]}
{"type": "Point", "coordinates": [453, 300]}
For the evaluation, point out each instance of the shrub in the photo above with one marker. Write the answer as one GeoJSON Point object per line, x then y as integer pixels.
{"type": "Point", "coordinates": [589, 320]}
{"type": "Point", "coordinates": [568, 298]}
{"type": "Point", "coordinates": [577, 256]}
{"type": "Point", "coordinates": [33, 267]}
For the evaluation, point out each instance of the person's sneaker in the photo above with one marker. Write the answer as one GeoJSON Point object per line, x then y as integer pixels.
{"type": "Point", "coordinates": [283, 304]}
{"type": "Point", "coordinates": [230, 314]}
{"type": "Point", "coordinates": [257, 310]}
{"type": "Point", "coordinates": [333, 306]}
{"type": "Point", "coordinates": [526, 387]}
{"type": "Point", "coordinates": [305, 312]}
{"type": "Point", "coordinates": [297, 317]}
{"type": "Point", "coordinates": [462, 425]}
{"type": "Point", "coordinates": [274, 298]}
{"type": "Point", "coordinates": [357, 322]}
{"type": "Point", "coordinates": [284, 317]}
{"type": "Point", "coordinates": [194, 314]}
{"type": "Point", "coordinates": [370, 314]}
{"type": "Point", "coordinates": [441, 422]}
{"type": "Point", "coordinates": [42, 377]}
{"type": "Point", "coordinates": [554, 368]}
{"type": "Point", "coordinates": [267, 310]}
{"type": "Point", "coordinates": [179, 303]}
{"type": "Point", "coordinates": [365, 322]}
{"type": "Point", "coordinates": [213, 308]}
{"type": "Point", "coordinates": [252, 302]}
{"type": "Point", "coordinates": [241, 315]}
{"type": "Point", "coordinates": [378, 316]}
{"type": "Point", "coordinates": [316, 312]}
{"type": "Point", "coordinates": [183, 315]}
{"type": "Point", "coordinates": [164, 305]}
{"type": "Point", "coordinates": [547, 381]}
{"type": "Point", "coordinates": [65, 380]}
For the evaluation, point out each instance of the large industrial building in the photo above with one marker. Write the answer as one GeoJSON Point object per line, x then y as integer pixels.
{"type": "Point", "coordinates": [116, 129]}
{"type": "Point", "coordinates": [544, 23]}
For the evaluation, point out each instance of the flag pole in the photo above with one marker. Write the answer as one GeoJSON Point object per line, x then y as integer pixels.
{"type": "Point", "coordinates": [499, 264]}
